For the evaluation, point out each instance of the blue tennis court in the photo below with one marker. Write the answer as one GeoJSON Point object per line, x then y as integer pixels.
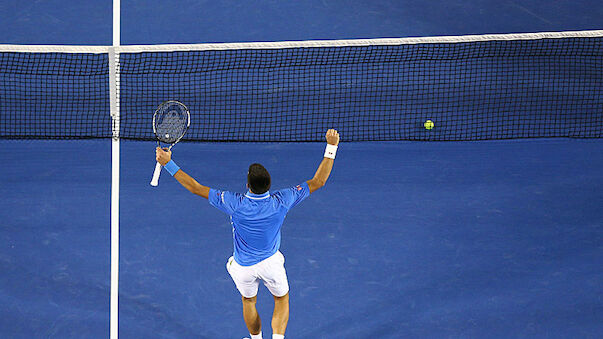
{"type": "Point", "coordinates": [464, 202]}
{"type": "Point", "coordinates": [425, 240]}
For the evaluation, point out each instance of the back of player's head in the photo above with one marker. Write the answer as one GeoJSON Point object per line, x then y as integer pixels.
{"type": "Point", "coordinates": [258, 179]}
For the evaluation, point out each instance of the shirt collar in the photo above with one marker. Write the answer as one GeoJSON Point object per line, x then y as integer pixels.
{"type": "Point", "coordinates": [254, 196]}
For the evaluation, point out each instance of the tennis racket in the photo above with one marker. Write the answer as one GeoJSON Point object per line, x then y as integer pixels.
{"type": "Point", "coordinates": [170, 122]}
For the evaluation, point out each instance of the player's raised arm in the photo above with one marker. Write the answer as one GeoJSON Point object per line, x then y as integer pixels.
{"type": "Point", "coordinates": [164, 157]}
{"type": "Point", "coordinates": [325, 167]}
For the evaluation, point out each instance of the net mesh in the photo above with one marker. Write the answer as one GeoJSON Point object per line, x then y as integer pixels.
{"type": "Point", "coordinates": [54, 95]}
{"type": "Point", "coordinates": [470, 90]}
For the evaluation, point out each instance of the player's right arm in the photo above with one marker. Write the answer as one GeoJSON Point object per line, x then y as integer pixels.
{"type": "Point", "coordinates": [325, 167]}
{"type": "Point", "coordinates": [163, 156]}
{"type": "Point", "coordinates": [191, 184]}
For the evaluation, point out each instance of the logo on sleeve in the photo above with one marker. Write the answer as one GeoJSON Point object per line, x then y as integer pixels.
{"type": "Point", "coordinates": [298, 187]}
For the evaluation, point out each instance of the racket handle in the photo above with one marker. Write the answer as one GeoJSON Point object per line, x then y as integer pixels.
{"type": "Point", "coordinates": [155, 180]}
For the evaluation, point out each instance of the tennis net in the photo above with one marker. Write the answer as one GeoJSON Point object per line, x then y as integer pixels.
{"type": "Point", "coordinates": [470, 87]}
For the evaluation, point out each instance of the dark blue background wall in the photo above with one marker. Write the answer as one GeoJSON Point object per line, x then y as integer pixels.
{"type": "Point", "coordinates": [196, 21]}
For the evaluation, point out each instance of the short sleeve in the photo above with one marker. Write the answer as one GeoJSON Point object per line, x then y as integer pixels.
{"type": "Point", "coordinates": [293, 196]}
{"type": "Point", "coordinates": [225, 201]}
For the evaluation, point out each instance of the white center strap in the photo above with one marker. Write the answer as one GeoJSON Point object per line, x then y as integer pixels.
{"type": "Point", "coordinates": [330, 151]}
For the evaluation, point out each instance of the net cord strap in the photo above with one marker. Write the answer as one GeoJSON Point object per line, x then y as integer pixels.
{"type": "Point", "coordinates": [114, 80]}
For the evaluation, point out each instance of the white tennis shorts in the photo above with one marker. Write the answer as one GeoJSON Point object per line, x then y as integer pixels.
{"type": "Point", "coordinates": [270, 270]}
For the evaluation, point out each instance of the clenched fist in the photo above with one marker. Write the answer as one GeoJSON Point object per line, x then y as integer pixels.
{"type": "Point", "coordinates": [163, 155]}
{"type": "Point", "coordinates": [332, 137]}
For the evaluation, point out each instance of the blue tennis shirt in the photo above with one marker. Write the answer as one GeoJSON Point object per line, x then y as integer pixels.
{"type": "Point", "coordinates": [257, 219]}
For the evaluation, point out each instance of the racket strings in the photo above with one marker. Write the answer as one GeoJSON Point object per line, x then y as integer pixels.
{"type": "Point", "coordinates": [171, 126]}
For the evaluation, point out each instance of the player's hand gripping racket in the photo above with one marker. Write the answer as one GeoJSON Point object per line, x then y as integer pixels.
{"type": "Point", "coordinates": [170, 122]}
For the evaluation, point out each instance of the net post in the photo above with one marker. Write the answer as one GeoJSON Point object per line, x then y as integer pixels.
{"type": "Point", "coordinates": [114, 81]}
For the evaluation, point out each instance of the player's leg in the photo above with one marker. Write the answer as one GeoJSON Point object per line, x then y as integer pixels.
{"type": "Point", "coordinates": [247, 283]}
{"type": "Point", "coordinates": [251, 316]}
{"type": "Point", "coordinates": [272, 272]}
{"type": "Point", "coordinates": [280, 317]}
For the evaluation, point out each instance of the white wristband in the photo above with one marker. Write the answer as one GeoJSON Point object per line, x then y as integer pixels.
{"type": "Point", "coordinates": [330, 151]}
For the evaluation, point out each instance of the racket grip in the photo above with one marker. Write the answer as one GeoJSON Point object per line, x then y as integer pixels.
{"type": "Point", "coordinates": [155, 180]}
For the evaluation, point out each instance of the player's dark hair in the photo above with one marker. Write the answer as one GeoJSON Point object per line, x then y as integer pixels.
{"type": "Point", "coordinates": [258, 179]}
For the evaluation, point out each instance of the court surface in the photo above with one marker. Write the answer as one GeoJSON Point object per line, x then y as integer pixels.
{"type": "Point", "coordinates": [497, 239]}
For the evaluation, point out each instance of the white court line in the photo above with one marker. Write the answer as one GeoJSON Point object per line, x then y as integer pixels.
{"type": "Point", "coordinates": [115, 158]}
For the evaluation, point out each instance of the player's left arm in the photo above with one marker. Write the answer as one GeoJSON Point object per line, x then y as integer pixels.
{"type": "Point", "coordinates": [164, 156]}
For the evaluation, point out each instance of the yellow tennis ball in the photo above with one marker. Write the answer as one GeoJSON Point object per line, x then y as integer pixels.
{"type": "Point", "coordinates": [428, 124]}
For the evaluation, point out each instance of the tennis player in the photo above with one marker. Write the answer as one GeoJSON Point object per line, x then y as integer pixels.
{"type": "Point", "coordinates": [257, 217]}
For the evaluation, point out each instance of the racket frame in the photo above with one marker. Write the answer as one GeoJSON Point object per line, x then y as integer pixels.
{"type": "Point", "coordinates": [157, 172]}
